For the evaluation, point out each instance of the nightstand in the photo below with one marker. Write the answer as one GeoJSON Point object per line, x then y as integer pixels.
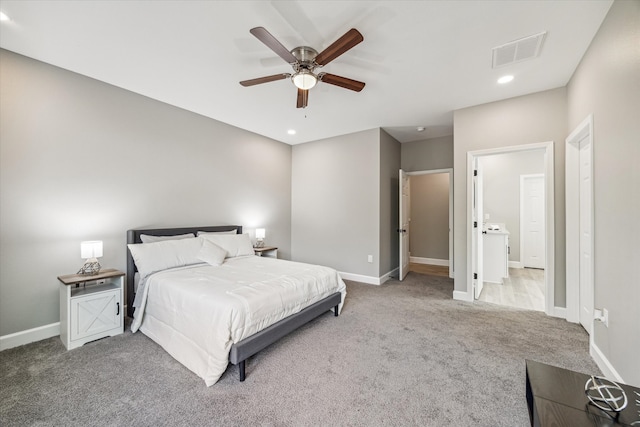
{"type": "Point", "coordinates": [267, 251]}
{"type": "Point", "coordinates": [91, 307]}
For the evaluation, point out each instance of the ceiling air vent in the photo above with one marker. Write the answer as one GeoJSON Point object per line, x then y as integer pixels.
{"type": "Point", "coordinates": [518, 50]}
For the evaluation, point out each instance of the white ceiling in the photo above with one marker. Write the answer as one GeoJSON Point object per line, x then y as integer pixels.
{"type": "Point", "coordinates": [420, 60]}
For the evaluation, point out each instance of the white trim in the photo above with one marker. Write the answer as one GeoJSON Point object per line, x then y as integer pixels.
{"type": "Point", "coordinates": [392, 273]}
{"type": "Point", "coordinates": [430, 261]}
{"type": "Point", "coordinates": [515, 264]}
{"type": "Point", "coordinates": [450, 172]}
{"type": "Point", "coordinates": [549, 275]}
{"type": "Point", "coordinates": [603, 363]}
{"type": "Point", "coordinates": [572, 174]}
{"type": "Point", "coordinates": [29, 336]}
{"type": "Point", "coordinates": [560, 312]}
{"type": "Point", "coordinates": [463, 296]}
{"type": "Point", "coordinates": [369, 280]}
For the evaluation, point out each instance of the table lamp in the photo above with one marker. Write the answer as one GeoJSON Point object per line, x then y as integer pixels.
{"type": "Point", "coordinates": [260, 233]}
{"type": "Point", "coordinates": [90, 250]}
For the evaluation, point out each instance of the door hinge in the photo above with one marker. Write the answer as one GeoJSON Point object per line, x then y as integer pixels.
{"type": "Point", "coordinates": [475, 224]}
{"type": "Point", "coordinates": [475, 276]}
{"type": "Point", "coordinates": [475, 172]}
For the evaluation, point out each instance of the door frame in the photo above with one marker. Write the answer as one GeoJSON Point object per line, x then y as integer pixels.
{"type": "Point", "coordinates": [450, 172]}
{"type": "Point", "coordinates": [522, 180]}
{"type": "Point", "coordinates": [549, 275]}
{"type": "Point", "coordinates": [572, 205]}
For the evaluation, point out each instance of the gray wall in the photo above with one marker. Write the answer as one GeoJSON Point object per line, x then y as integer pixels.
{"type": "Point", "coordinates": [540, 117]}
{"type": "Point", "coordinates": [501, 185]}
{"type": "Point", "coordinates": [335, 216]}
{"type": "Point", "coordinates": [428, 154]}
{"type": "Point", "coordinates": [607, 85]}
{"type": "Point", "coordinates": [389, 203]}
{"type": "Point", "coordinates": [83, 160]}
{"type": "Point", "coordinates": [429, 231]}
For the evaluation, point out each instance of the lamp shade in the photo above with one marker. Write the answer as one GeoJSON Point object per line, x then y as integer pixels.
{"type": "Point", "coordinates": [91, 249]}
{"type": "Point", "coordinates": [260, 233]}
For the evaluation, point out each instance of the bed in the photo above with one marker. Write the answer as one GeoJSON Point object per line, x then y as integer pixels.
{"type": "Point", "coordinates": [224, 306]}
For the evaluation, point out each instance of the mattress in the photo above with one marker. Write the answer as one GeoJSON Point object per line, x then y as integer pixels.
{"type": "Point", "coordinates": [197, 312]}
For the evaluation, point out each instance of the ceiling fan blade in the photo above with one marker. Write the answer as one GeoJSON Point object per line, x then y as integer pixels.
{"type": "Point", "coordinates": [344, 82]}
{"type": "Point", "coordinates": [303, 98]}
{"type": "Point", "coordinates": [272, 43]}
{"type": "Point", "coordinates": [340, 46]}
{"type": "Point", "coordinates": [266, 79]}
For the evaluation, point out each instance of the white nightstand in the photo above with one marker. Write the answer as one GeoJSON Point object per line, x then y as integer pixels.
{"type": "Point", "coordinates": [91, 307]}
{"type": "Point", "coordinates": [267, 251]}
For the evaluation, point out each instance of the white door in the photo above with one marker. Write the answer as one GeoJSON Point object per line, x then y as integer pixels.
{"type": "Point", "coordinates": [532, 220]}
{"type": "Point", "coordinates": [478, 215]}
{"type": "Point", "coordinates": [403, 229]}
{"type": "Point", "coordinates": [586, 239]}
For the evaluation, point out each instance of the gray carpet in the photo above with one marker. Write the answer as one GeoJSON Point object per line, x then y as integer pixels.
{"type": "Point", "coordinates": [403, 353]}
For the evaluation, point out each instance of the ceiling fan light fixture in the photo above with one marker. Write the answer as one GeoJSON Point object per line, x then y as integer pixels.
{"type": "Point", "coordinates": [304, 79]}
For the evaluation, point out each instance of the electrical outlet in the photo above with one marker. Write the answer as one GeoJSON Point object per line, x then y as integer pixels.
{"type": "Point", "coordinates": [370, 258]}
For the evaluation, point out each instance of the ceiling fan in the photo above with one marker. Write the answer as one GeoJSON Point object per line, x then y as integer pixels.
{"type": "Point", "coordinates": [305, 60]}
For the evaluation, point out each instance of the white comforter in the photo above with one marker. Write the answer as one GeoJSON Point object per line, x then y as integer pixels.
{"type": "Point", "coordinates": [197, 312]}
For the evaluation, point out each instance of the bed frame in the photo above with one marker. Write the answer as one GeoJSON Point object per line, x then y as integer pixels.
{"type": "Point", "coordinates": [249, 346]}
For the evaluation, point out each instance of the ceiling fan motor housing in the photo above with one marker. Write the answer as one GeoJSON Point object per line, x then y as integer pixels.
{"type": "Point", "coordinates": [305, 56]}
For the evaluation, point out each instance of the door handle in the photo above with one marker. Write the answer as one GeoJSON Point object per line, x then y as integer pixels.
{"type": "Point", "coordinates": [401, 230]}
{"type": "Point", "coordinates": [118, 309]}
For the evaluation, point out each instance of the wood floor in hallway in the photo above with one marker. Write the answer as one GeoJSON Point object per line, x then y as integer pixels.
{"type": "Point", "coordinates": [432, 270]}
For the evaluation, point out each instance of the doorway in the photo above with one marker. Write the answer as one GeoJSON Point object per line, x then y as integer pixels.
{"type": "Point", "coordinates": [413, 198]}
{"type": "Point", "coordinates": [479, 217]}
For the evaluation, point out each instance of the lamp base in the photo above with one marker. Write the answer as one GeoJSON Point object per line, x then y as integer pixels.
{"type": "Point", "coordinates": [259, 243]}
{"type": "Point", "coordinates": [90, 268]}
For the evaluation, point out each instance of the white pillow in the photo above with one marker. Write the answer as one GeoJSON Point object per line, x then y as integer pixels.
{"type": "Point", "coordinates": [147, 238]}
{"type": "Point", "coordinates": [200, 233]}
{"type": "Point", "coordinates": [211, 253]}
{"type": "Point", "coordinates": [157, 256]}
{"type": "Point", "coordinates": [234, 244]}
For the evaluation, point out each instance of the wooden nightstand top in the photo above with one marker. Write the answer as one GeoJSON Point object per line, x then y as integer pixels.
{"type": "Point", "coordinates": [265, 249]}
{"type": "Point", "coordinates": [105, 273]}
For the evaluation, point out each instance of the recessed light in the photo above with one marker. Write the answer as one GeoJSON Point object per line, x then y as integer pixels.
{"type": "Point", "coordinates": [420, 128]}
{"type": "Point", "coordinates": [291, 132]}
{"type": "Point", "coordinates": [505, 79]}
{"type": "Point", "coordinates": [3, 17]}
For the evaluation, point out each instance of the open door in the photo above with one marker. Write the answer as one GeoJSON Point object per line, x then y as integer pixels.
{"type": "Point", "coordinates": [403, 229]}
{"type": "Point", "coordinates": [478, 215]}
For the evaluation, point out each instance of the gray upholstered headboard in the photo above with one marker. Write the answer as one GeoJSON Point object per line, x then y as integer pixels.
{"type": "Point", "coordinates": [133, 236]}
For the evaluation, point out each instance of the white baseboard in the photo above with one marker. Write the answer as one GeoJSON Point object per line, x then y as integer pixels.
{"type": "Point", "coordinates": [560, 312]}
{"type": "Point", "coordinates": [370, 280]}
{"type": "Point", "coordinates": [393, 273]}
{"type": "Point", "coordinates": [516, 264]}
{"type": "Point", "coordinates": [430, 261]}
{"type": "Point", "coordinates": [29, 336]}
{"type": "Point", "coordinates": [603, 363]}
{"type": "Point", "coordinates": [360, 278]}
{"type": "Point", "coordinates": [462, 296]}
